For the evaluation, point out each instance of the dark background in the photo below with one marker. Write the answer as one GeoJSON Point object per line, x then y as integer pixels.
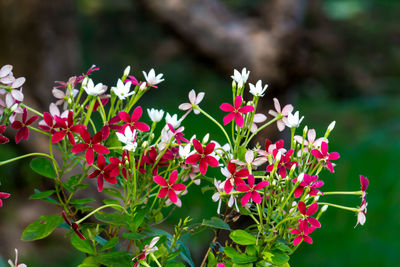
{"type": "Point", "coordinates": [333, 60]}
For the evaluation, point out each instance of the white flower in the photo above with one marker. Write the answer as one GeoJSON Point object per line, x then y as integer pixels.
{"type": "Point", "coordinates": [258, 89]}
{"type": "Point", "coordinates": [240, 78]}
{"type": "Point", "coordinates": [293, 120]}
{"type": "Point", "coordinates": [173, 120]}
{"type": "Point", "coordinates": [155, 115]}
{"type": "Point", "coordinates": [233, 200]}
{"type": "Point", "coordinates": [184, 151]}
{"type": "Point", "coordinates": [128, 138]}
{"type": "Point", "coordinates": [122, 90]}
{"type": "Point", "coordinates": [15, 263]}
{"type": "Point", "coordinates": [217, 195]}
{"type": "Point", "coordinates": [151, 77]}
{"type": "Point", "coordinates": [91, 89]}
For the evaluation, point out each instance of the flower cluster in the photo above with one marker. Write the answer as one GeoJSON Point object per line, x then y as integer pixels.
{"type": "Point", "coordinates": [101, 135]}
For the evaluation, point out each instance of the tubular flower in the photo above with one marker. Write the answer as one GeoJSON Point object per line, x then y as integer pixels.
{"type": "Point", "coordinates": [22, 126]}
{"type": "Point", "coordinates": [307, 212]}
{"type": "Point", "coordinates": [235, 112]}
{"type": "Point", "coordinates": [68, 127]}
{"type": "Point", "coordinates": [281, 112]}
{"type": "Point", "coordinates": [325, 156]}
{"type": "Point", "coordinates": [309, 182]}
{"type": "Point", "coordinates": [169, 187]}
{"type": "Point", "coordinates": [90, 145]}
{"type": "Point", "coordinates": [203, 155]}
{"type": "Point", "coordinates": [302, 233]}
{"type": "Point", "coordinates": [251, 190]}
{"type": "Point", "coordinates": [233, 176]}
{"type": "Point", "coordinates": [132, 121]}
{"type": "Point", "coordinates": [104, 172]}
{"type": "Point", "coordinates": [3, 196]}
{"type": "Point", "coordinates": [155, 115]}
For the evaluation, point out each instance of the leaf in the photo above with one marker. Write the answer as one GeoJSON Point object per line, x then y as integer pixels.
{"type": "Point", "coordinates": [115, 259]}
{"type": "Point", "coordinates": [113, 192]}
{"type": "Point", "coordinates": [216, 222]}
{"type": "Point", "coordinates": [111, 218]}
{"type": "Point", "coordinates": [89, 262]}
{"type": "Point", "coordinates": [136, 221]}
{"type": "Point", "coordinates": [175, 264]}
{"type": "Point", "coordinates": [41, 195]}
{"type": "Point", "coordinates": [282, 247]}
{"type": "Point", "coordinates": [243, 265]}
{"type": "Point", "coordinates": [133, 236]}
{"type": "Point", "coordinates": [82, 244]}
{"type": "Point", "coordinates": [185, 253]}
{"type": "Point", "coordinates": [238, 257]}
{"type": "Point", "coordinates": [241, 237]}
{"type": "Point", "coordinates": [41, 228]}
{"type": "Point", "coordinates": [211, 260]}
{"type": "Point", "coordinates": [276, 257]}
{"type": "Point", "coordinates": [82, 200]}
{"type": "Point", "coordinates": [110, 244]}
{"type": "Point", "coordinates": [174, 254]}
{"type": "Point", "coordinates": [44, 167]}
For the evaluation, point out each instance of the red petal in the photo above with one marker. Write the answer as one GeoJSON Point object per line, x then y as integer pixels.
{"type": "Point", "coordinates": [58, 136]}
{"type": "Point", "coordinates": [256, 197]}
{"type": "Point", "coordinates": [228, 118]}
{"type": "Point", "coordinates": [239, 120]}
{"type": "Point", "coordinates": [209, 148]}
{"type": "Point", "coordinates": [298, 191]}
{"type": "Point", "coordinates": [31, 120]}
{"type": "Point", "coordinates": [193, 159]}
{"type": "Point", "coordinates": [232, 168]}
{"type": "Point", "coordinates": [317, 154]}
{"type": "Point", "coordinates": [79, 148]}
{"type": "Point", "coordinates": [100, 182]}
{"type": "Point", "coordinates": [141, 126]}
{"type": "Point", "coordinates": [203, 166]}
{"type": "Point", "coordinates": [197, 145]}
{"type": "Point", "coordinates": [163, 192]}
{"type": "Point", "coordinates": [242, 187]}
{"type": "Point", "coordinates": [261, 185]}
{"type": "Point", "coordinates": [101, 149]}
{"type": "Point", "coordinates": [85, 136]}
{"type": "Point", "coordinates": [16, 125]}
{"type": "Point", "coordinates": [312, 209]}
{"type": "Point", "coordinates": [227, 107]}
{"type": "Point", "coordinates": [101, 162]}
{"type": "Point", "coordinates": [137, 113]}
{"type": "Point", "coordinates": [160, 180]}
{"type": "Point", "coordinates": [314, 222]}
{"type": "Point", "coordinates": [213, 162]}
{"type": "Point", "coordinates": [228, 186]}
{"type": "Point", "coordinates": [302, 207]}
{"type": "Point", "coordinates": [97, 138]}
{"type": "Point", "coordinates": [90, 156]}
{"type": "Point", "coordinates": [94, 174]}
{"type": "Point", "coordinates": [172, 196]}
{"type": "Point", "coordinates": [245, 199]}
{"type": "Point", "coordinates": [124, 116]}
{"type": "Point", "coordinates": [178, 187]}
{"type": "Point", "coordinates": [242, 173]}
{"type": "Point", "coordinates": [173, 177]}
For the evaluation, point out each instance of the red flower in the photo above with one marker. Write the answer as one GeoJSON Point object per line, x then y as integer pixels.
{"type": "Point", "coordinates": [235, 112]}
{"type": "Point", "coordinates": [325, 156]}
{"type": "Point", "coordinates": [90, 70]}
{"type": "Point", "coordinates": [308, 212]}
{"type": "Point", "coordinates": [364, 183]}
{"type": "Point", "coordinates": [90, 145]}
{"type": "Point", "coordinates": [104, 172]}
{"type": "Point", "coordinates": [309, 182]}
{"type": "Point", "coordinates": [132, 121]}
{"type": "Point", "coordinates": [169, 188]}
{"type": "Point", "coordinates": [73, 225]}
{"type": "Point", "coordinates": [233, 176]}
{"type": "Point", "coordinates": [178, 134]}
{"type": "Point", "coordinates": [49, 124]}
{"type": "Point", "coordinates": [302, 233]}
{"type": "Point", "coordinates": [251, 190]}
{"type": "Point", "coordinates": [110, 125]}
{"type": "Point", "coordinates": [151, 158]}
{"type": "Point", "coordinates": [3, 196]}
{"type": "Point", "coordinates": [203, 156]}
{"type": "Point", "coordinates": [22, 126]}
{"type": "Point", "coordinates": [3, 139]}
{"type": "Point", "coordinates": [284, 162]}
{"type": "Point", "coordinates": [68, 128]}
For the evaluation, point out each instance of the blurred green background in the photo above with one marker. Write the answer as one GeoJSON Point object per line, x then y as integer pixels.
{"type": "Point", "coordinates": [339, 60]}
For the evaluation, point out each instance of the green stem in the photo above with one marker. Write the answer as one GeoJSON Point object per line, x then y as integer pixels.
{"type": "Point", "coordinates": [339, 206]}
{"type": "Point", "coordinates": [155, 259]}
{"type": "Point", "coordinates": [25, 156]}
{"type": "Point", "coordinates": [89, 112]}
{"type": "Point", "coordinates": [31, 109]}
{"type": "Point", "coordinates": [98, 209]}
{"type": "Point", "coordinates": [360, 193]}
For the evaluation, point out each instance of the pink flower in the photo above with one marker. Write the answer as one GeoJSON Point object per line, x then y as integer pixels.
{"type": "Point", "coordinates": [361, 218]}
{"type": "Point", "coordinates": [132, 121]}
{"type": "Point", "coordinates": [131, 79]}
{"type": "Point", "coordinates": [194, 101]}
{"type": "Point", "coordinates": [235, 112]}
{"type": "Point", "coordinates": [309, 182]}
{"type": "Point", "coordinates": [307, 212]}
{"type": "Point", "coordinates": [364, 184]}
{"type": "Point", "coordinates": [15, 263]}
{"type": "Point", "coordinates": [90, 145]}
{"type": "Point", "coordinates": [147, 250]}
{"type": "Point", "coordinates": [73, 225]}
{"type": "Point", "coordinates": [68, 128]}
{"type": "Point", "coordinates": [284, 163]}
{"type": "Point", "coordinates": [233, 176]}
{"type": "Point", "coordinates": [325, 156]}
{"type": "Point", "coordinates": [258, 118]}
{"type": "Point", "coordinates": [203, 156]}
{"type": "Point", "coordinates": [251, 190]}
{"type": "Point", "coordinates": [22, 126]}
{"type": "Point", "coordinates": [178, 134]}
{"type": "Point", "coordinates": [3, 196]}
{"type": "Point", "coordinates": [281, 123]}
{"type": "Point", "coordinates": [169, 187]}
{"type": "Point", "coordinates": [104, 172]}
{"type": "Point", "coordinates": [311, 142]}
{"type": "Point", "coordinates": [90, 70]}
{"type": "Point", "coordinates": [302, 233]}
{"type": "Point", "coordinates": [3, 139]}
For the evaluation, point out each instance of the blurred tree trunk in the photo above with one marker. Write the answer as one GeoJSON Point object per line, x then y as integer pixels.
{"type": "Point", "coordinates": [39, 38]}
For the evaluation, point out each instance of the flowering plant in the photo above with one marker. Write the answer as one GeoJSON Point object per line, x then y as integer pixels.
{"type": "Point", "coordinates": [144, 173]}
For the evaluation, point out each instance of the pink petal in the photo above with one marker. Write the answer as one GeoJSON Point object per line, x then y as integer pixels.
{"type": "Point", "coordinates": [228, 186]}
{"type": "Point", "coordinates": [228, 118]}
{"type": "Point", "coordinates": [287, 109]}
{"type": "Point", "coordinates": [302, 207]}
{"type": "Point", "coordinates": [261, 185]}
{"type": "Point", "coordinates": [173, 177]}
{"type": "Point", "coordinates": [277, 105]}
{"type": "Point", "coordinates": [250, 180]}
{"type": "Point", "coordinates": [256, 197]}
{"type": "Point", "coordinates": [298, 191]}
{"type": "Point", "coordinates": [197, 145]}
{"type": "Point", "coordinates": [317, 154]}
{"type": "Point", "coordinates": [334, 156]}
{"type": "Point", "coordinates": [329, 166]}
{"type": "Point", "coordinates": [324, 148]}
{"type": "Point", "coordinates": [137, 113]}
{"type": "Point", "coordinates": [312, 209]}
{"type": "Point", "coordinates": [213, 162]}
{"type": "Point", "coordinates": [192, 159]}
{"type": "Point", "coordinates": [141, 126]}
{"type": "Point", "coordinates": [314, 222]}
{"type": "Point", "coordinates": [203, 166]}
{"type": "Point", "coordinates": [239, 120]}
{"type": "Point", "coordinates": [246, 109]}
{"type": "Point", "coordinates": [297, 240]}
{"type": "Point", "coordinates": [238, 102]}
{"type": "Point", "coordinates": [311, 135]}
{"type": "Point", "coordinates": [172, 196]}
{"type": "Point", "coordinates": [227, 107]}
{"type": "Point", "coordinates": [124, 116]}
{"type": "Point", "coordinates": [178, 187]}
{"type": "Point", "coordinates": [209, 148]}
{"type": "Point", "coordinates": [245, 199]}
{"type": "Point", "coordinates": [160, 180]}
{"type": "Point", "coordinates": [163, 192]}
{"type": "Point", "coordinates": [242, 188]}
{"type": "Point", "coordinates": [307, 239]}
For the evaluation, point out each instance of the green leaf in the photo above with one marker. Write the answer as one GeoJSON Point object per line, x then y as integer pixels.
{"type": "Point", "coordinates": [241, 237]}
{"type": "Point", "coordinates": [238, 257]}
{"type": "Point", "coordinates": [82, 200]}
{"type": "Point", "coordinates": [175, 264]}
{"type": "Point", "coordinates": [185, 253]}
{"type": "Point", "coordinates": [113, 192]}
{"type": "Point", "coordinates": [241, 153]}
{"type": "Point", "coordinates": [174, 254]}
{"type": "Point", "coordinates": [41, 195]}
{"type": "Point", "coordinates": [41, 228]}
{"type": "Point", "coordinates": [211, 260]}
{"type": "Point", "coordinates": [216, 222]}
{"type": "Point", "coordinates": [133, 236]}
{"type": "Point", "coordinates": [82, 244]}
{"type": "Point", "coordinates": [44, 167]}
{"type": "Point", "coordinates": [243, 265]}
{"type": "Point", "coordinates": [110, 244]}
{"type": "Point", "coordinates": [111, 218]}
{"type": "Point", "coordinates": [276, 257]}
{"type": "Point", "coordinates": [282, 247]}
{"type": "Point", "coordinates": [115, 259]}
{"type": "Point", "coordinates": [89, 262]}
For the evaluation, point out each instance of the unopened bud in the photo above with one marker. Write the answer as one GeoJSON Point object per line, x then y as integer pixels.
{"type": "Point", "coordinates": [292, 170]}
{"type": "Point", "coordinates": [300, 178]}
{"type": "Point", "coordinates": [331, 126]}
{"type": "Point", "coordinates": [324, 208]}
{"type": "Point", "coordinates": [273, 183]}
{"type": "Point", "coordinates": [152, 136]}
{"type": "Point", "coordinates": [316, 198]}
{"type": "Point", "coordinates": [305, 130]}
{"type": "Point", "coordinates": [143, 86]}
{"type": "Point", "coordinates": [145, 144]}
{"type": "Point", "coordinates": [85, 81]}
{"type": "Point", "coordinates": [233, 85]}
{"type": "Point", "coordinates": [69, 101]}
{"type": "Point", "coordinates": [278, 156]}
{"type": "Point", "coordinates": [205, 138]}
{"type": "Point", "coordinates": [127, 71]}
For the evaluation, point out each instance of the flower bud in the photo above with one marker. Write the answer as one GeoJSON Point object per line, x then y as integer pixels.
{"type": "Point", "coordinates": [292, 170]}
{"type": "Point", "coordinates": [273, 183]}
{"type": "Point", "coordinates": [143, 86]}
{"type": "Point", "coordinates": [145, 144]}
{"type": "Point", "coordinates": [324, 208]}
{"type": "Point", "coordinates": [205, 138]}
{"type": "Point", "coordinates": [331, 126]}
{"type": "Point", "coordinates": [85, 81]}
{"type": "Point", "coordinates": [305, 130]}
{"type": "Point", "coordinates": [300, 178]}
{"type": "Point", "coordinates": [233, 85]}
{"type": "Point", "coordinates": [316, 198]}
{"type": "Point", "coordinates": [127, 71]}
